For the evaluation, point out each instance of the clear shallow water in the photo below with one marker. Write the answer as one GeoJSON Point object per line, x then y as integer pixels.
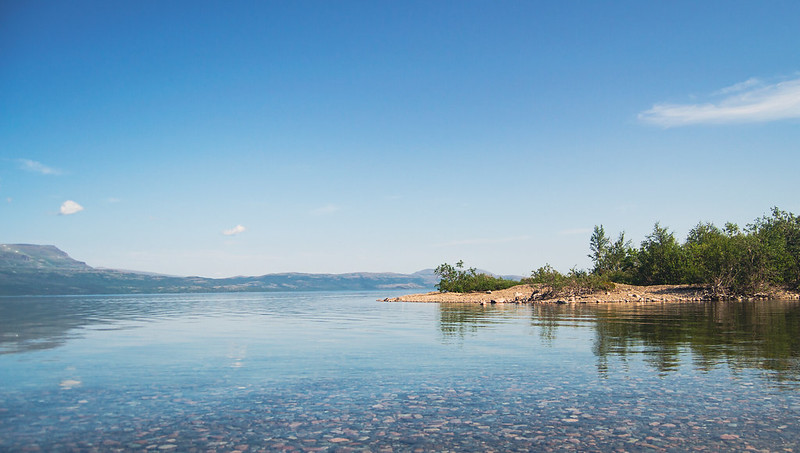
{"type": "Point", "coordinates": [342, 372]}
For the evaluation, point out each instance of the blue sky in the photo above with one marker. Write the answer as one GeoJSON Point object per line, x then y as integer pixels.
{"type": "Point", "coordinates": [243, 138]}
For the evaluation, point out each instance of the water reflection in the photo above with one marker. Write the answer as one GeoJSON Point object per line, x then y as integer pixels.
{"type": "Point", "coordinates": [35, 323]}
{"type": "Point", "coordinates": [38, 323]}
{"type": "Point", "coordinates": [761, 335]}
{"type": "Point", "coordinates": [339, 371]}
{"type": "Point", "coordinates": [460, 320]}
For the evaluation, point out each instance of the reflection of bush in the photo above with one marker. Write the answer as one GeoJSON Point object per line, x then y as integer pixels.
{"type": "Point", "coordinates": [763, 335]}
{"type": "Point", "coordinates": [460, 319]}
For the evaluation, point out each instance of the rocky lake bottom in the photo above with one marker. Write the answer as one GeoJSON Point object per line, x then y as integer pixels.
{"type": "Point", "coordinates": [342, 372]}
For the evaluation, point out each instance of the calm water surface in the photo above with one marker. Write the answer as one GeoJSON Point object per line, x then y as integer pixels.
{"type": "Point", "coordinates": [342, 372]}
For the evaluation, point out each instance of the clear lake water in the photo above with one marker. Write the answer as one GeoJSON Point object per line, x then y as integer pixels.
{"type": "Point", "coordinates": [340, 371]}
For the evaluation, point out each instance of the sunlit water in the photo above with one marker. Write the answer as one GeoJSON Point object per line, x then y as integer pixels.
{"type": "Point", "coordinates": [342, 372]}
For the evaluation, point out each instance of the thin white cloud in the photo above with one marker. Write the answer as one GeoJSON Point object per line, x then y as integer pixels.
{"type": "Point", "coordinates": [234, 231]}
{"type": "Point", "coordinates": [741, 86]}
{"type": "Point", "coordinates": [326, 210]}
{"type": "Point", "coordinates": [483, 241]}
{"type": "Point", "coordinates": [69, 207]}
{"type": "Point", "coordinates": [37, 167]}
{"type": "Point", "coordinates": [750, 101]}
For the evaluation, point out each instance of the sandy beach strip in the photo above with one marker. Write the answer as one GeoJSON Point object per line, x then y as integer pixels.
{"type": "Point", "coordinates": [620, 294]}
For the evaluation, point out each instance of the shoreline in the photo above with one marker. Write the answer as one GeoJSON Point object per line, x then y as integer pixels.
{"type": "Point", "coordinates": [622, 293]}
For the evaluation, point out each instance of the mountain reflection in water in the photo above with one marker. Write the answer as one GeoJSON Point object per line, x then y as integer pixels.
{"type": "Point", "coordinates": [761, 335]}
{"type": "Point", "coordinates": [339, 371]}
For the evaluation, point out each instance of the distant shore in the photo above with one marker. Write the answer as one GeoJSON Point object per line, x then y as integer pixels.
{"type": "Point", "coordinates": [620, 294]}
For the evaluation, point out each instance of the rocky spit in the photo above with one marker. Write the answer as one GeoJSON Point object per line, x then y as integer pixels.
{"type": "Point", "coordinates": [620, 294]}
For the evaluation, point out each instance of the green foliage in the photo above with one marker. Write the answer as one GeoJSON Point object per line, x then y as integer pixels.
{"type": "Point", "coordinates": [614, 260]}
{"type": "Point", "coordinates": [459, 280]}
{"type": "Point", "coordinates": [547, 276]}
{"type": "Point", "coordinates": [718, 258]}
{"type": "Point", "coordinates": [661, 259]}
{"type": "Point", "coordinates": [779, 238]}
{"type": "Point", "coordinates": [599, 245]}
{"type": "Point", "coordinates": [574, 283]}
{"type": "Point", "coordinates": [730, 261]}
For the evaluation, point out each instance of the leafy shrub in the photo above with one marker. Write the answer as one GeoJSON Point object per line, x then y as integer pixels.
{"type": "Point", "coordinates": [574, 283]}
{"type": "Point", "coordinates": [661, 260]}
{"type": "Point", "coordinates": [730, 261]}
{"type": "Point", "coordinates": [459, 280]}
{"type": "Point", "coordinates": [778, 236]}
{"type": "Point", "coordinates": [617, 261]}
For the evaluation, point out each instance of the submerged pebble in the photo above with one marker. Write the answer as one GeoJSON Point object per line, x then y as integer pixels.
{"type": "Point", "coordinates": [513, 379]}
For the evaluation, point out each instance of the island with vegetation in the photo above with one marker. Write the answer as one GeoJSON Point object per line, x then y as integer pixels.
{"type": "Point", "coordinates": [761, 260]}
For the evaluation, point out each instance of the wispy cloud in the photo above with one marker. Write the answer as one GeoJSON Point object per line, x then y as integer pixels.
{"type": "Point", "coordinates": [69, 207]}
{"type": "Point", "coordinates": [751, 101]}
{"type": "Point", "coordinates": [483, 241]}
{"type": "Point", "coordinates": [752, 82]}
{"type": "Point", "coordinates": [37, 167]}
{"type": "Point", "coordinates": [326, 210]}
{"type": "Point", "coordinates": [234, 231]}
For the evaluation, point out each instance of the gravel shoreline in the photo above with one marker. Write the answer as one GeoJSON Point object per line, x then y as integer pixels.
{"type": "Point", "coordinates": [620, 294]}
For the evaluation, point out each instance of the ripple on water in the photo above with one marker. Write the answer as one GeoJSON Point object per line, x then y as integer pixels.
{"type": "Point", "coordinates": [339, 371]}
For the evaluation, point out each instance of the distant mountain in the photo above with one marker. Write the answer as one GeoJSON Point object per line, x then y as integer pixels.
{"type": "Point", "coordinates": [30, 256]}
{"type": "Point", "coordinates": [429, 273]}
{"type": "Point", "coordinates": [28, 269]}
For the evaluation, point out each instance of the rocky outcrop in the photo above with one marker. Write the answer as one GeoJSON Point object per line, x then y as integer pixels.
{"type": "Point", "coordinates": [523, 294]}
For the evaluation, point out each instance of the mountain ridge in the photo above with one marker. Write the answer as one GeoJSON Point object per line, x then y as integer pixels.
{"type": "Point", "coordinates": [31, 269]}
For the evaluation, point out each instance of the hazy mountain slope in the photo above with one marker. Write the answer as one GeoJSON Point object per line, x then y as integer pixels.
{"type": "Point", "coordinates": [30, 256]}
{"type": "Point", "coordinates": [27, 269]}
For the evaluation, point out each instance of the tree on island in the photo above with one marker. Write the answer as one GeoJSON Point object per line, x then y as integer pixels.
{"type": "Point", "coordinates": [610, 258]}
{"type": "Point", "coordinates": [729, 261]}
{"type": "Point", "coordinates": [459, 280]}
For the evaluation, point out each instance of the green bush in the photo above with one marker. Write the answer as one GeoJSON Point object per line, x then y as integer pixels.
{"type": "Point", "coordinates": [778, 237]}
{"type": "Point", "coordinates": [661, 260]}
{"type": "Point", "coordinates": [617, 261]}
{"type": "Point", "coordinates": [459, 280]}
{"type": "Point", "coordinates": [730, 261]}
{"type": "Point", "coordinates": [574, 283]}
